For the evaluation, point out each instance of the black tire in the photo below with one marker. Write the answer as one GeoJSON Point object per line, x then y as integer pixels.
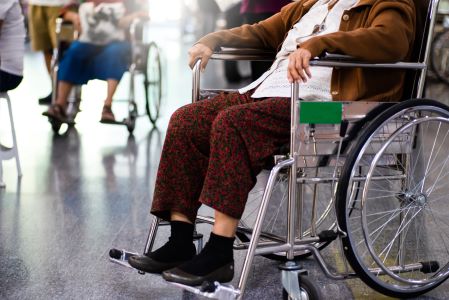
{"type": "Point", "coordinates": [306, 285]}
{"type": "Point", "coordinates": [115, 253]}
{"type": "Point", "coordinates": [131, 125]}
{"type": "Point", "coordinates": [132, 117]}
{"type": "Point", "coordinates": [55, 125]}
{"type": "Point", "coordinates": [345, 208]}
{"type": "Point", "coordinates": [439, 58]}
{"type": "Point", "coordinates": [153, 82]}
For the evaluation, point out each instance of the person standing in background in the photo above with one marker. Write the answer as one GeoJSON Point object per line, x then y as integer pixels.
{"type": "Point", "coordinates": [251, 11]}
{"type": "Point", "coordinates": [12, 44]}
{"type": "Point", "coordinates": [254, 11]}
{"type": "Point", "coordinates": [42, 16]}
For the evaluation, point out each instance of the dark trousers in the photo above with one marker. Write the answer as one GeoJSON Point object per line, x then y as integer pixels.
{"type": "Point", "coordinates": [9, 81]}
{"type": "Point", "coordinates": [214, 150]}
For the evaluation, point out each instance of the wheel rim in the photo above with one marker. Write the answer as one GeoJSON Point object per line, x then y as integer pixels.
{"type": "Point", "coordinates": [389, 222]}
{"type": "Point", "coordinates": [153, 82]}
{"type": "Point", "coordinates": [440, 56]}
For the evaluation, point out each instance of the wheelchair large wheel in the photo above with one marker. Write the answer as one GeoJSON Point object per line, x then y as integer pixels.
{"type": "Point", "coordinates": [440, 56]}
{"type": "Point", "coordinates": [396, 224]}
{"type": "Point", "coordinates": [153, 82]}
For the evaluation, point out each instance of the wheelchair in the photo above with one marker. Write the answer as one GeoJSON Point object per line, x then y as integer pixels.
{"type": "Point", "coordinates": [145, 72]}
{"type": "Point", "coordinates": [366, 175]}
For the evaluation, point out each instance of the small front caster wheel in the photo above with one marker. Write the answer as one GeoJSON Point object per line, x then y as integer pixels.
{"type": "Point", "coordinates": [307, 288]}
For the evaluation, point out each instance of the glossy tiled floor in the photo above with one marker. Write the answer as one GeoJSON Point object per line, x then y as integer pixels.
{"type": "Point", "coordinates": [90, 189]}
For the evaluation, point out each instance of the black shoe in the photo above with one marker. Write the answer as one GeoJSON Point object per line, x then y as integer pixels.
{"type": "Point", "coordinates": [222, 274]}
{"type": "Point", "coordinates": [45, 100]}
{"type": "Point", "coordinates": [150, 265]}
{"type": "Point", "coordinates": [171, 255]}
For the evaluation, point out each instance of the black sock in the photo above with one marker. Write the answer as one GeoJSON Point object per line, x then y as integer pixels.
{"type": "Point", "coordinates": [180, 245]}
{"type": "Point", "coordinates": [217, 253]}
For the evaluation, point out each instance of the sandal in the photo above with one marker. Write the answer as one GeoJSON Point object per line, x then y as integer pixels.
{"type": "Point", "coordinates": [57, 112]}
{"type": "Point", "coordinates": [107, 116]}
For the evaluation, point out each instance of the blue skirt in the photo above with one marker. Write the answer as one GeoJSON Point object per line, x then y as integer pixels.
{"type": "Point", "coordinates": [84, 61]}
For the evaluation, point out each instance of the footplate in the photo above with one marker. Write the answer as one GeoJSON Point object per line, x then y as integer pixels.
{"type": "Point", "coordinates": [211, 290]}
{"type": "Point", "coordinates": [121, 257]}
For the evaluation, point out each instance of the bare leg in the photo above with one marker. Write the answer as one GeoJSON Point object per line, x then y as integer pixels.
{"type": "Point", "coordinates": [112, 87]}
{"type": "Point", "coordinates": [224, 225]}
{"type": "Point", "coordinates": [48, 55]}
{"type": "Point", "coordinates": [64, 89]}
{"type": "Point", "coordinates": [176, 216]}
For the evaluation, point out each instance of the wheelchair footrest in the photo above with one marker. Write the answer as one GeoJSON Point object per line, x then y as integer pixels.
{"type": "Point", "coordinates": [327, 235]}
{"type": "Point", "coordinates": [121, 257]}
{"type": "Point", "coordinates": [212, 290]}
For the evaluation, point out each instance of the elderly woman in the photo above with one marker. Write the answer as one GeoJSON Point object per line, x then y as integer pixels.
{"type": "Point", "coordinates": [101, 52]}
{"type": "Point", "coordinates": [215, 148]}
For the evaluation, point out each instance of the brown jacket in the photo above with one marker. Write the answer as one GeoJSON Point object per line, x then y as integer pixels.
{"type": "Point", "coordinates": [373, 30]}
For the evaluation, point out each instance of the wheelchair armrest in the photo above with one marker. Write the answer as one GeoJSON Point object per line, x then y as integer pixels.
{"type": "Point", "coordinates": [229, 54]}
{"type": "Point", "coordinates": [346, 61]}
{"type": "Point", "coordinates": [327, 60]}
{"type": "Point", "coordinates": [244, 54]}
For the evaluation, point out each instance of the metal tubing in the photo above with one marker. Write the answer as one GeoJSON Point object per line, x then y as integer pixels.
{"type": "Point", "coordinates": [398, 65]}
{"type": "Point", "coordinates": [151, 235]}
{"type": "Point", "coordinates": [14, 139]}
{"type": "Point", "coordinates": [286, 246]}
{"type": "Point", "coordinates": [258, 224]}
{"type": "Point", "coordinates": [422, 78]}
{"type": "Point", "coordinates": [292, 199]}
{"type": "Point", "coordinates": [196, 77]}
{"type": "Point", "coordinates": [316, 253]}
{"type": "Point", "coordinates": [357, 178]}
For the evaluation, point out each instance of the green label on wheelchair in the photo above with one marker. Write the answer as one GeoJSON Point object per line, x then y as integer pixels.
{"type": "Point", "coordinates": [321, 112]}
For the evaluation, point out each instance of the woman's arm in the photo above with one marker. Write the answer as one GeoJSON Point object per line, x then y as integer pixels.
{"type": "Point", "coordinates": [388, 39]}
{"type": "Point", "coordinates": [267, 34]}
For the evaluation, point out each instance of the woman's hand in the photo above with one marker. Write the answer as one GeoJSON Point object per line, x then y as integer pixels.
{"type": "Point", "coordinates": [298, 66]}
{"type": "Point", "coordinates": [74, 18]}
{"type": "Point", "coordinates": [199, 51]}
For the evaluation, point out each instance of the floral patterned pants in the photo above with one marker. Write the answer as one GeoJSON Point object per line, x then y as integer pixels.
{"type": "Point", "coordinates": [214, 150]}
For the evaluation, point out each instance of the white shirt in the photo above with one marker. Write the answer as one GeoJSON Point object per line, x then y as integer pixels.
{"type": "Point", "coordinates": [99, 23]}
{"type": "Point", "coordinates": [274, 82]}
{"type": "Point", "coordinates": [49, 2]}
{"type": "Point", "coordinates": [12, 37]}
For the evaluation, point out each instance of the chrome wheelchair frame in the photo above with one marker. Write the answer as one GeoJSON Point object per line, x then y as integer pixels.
{"type": "Point", "coordinates": [145, 66]}
{"type": "Point", "coordinates": [370, 153]}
